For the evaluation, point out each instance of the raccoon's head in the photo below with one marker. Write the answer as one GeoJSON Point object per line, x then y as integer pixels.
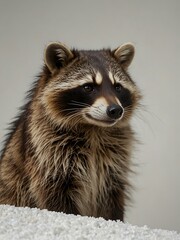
{"type": "Point", "coordinates": [89, 87]}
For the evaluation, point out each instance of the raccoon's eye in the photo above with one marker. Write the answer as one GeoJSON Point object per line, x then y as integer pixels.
{"type": "Point", "coordinates": [118, 87]}
{"type": "Point", "coordinates": [88, 87]}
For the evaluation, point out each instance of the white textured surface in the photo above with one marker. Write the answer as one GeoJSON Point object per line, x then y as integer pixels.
{"type": "Point", "coordinates": [26, 223]}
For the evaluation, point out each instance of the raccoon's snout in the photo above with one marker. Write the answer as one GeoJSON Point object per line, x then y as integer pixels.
{"type": "Point", "coordinates": [114, 111]}
{"type": "Point", "coordinates": [104, 114]}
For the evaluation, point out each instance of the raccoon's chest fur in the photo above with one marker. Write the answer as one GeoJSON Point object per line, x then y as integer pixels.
{"type": "Point", "coordinates": [108, 160]}
{"type": "Point", "coordinates": [89, 167]}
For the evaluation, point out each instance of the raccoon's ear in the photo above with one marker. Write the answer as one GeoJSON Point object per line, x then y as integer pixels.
{"type": "Point", "coordinates": [57, 55]}
{"type": "Point", "coordinates": [124, 54]}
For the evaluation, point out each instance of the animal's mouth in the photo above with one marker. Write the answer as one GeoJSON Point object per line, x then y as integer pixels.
{"type": "Point", "coordinates": [103, 121]}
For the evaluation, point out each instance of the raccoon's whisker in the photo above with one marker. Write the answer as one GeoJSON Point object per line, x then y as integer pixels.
{"type": "Point", "coordinates": [79, 103]}
{"type": "Point", "coordinates": [85, 104]}
{"type": "Point", "coordinates": [143, 119]}
{"type": "Point", "coordinates": [73, 110]}
{"type": "Point", "coordinates": [97, 109]}
{"type": "Point", "coordinates": [128, 108]}
{"type": "Point", "coordinates": [138, 114]}
{"type": "Point", "coordinates": [145, 109]}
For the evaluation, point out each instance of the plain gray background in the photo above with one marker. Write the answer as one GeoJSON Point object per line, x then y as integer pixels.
{"type": "Point", "coordinates": [154, 28]}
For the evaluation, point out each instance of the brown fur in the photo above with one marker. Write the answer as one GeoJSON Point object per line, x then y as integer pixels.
{"type": "Point", "coordinates": [74, 168]}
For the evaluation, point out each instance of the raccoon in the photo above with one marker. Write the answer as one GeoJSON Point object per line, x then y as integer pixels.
{"type": "Point", "coordinates": [69, 150]}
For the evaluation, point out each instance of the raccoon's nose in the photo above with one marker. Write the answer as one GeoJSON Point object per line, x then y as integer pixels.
{"type": "Point", "coordinates": [114, 111]}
